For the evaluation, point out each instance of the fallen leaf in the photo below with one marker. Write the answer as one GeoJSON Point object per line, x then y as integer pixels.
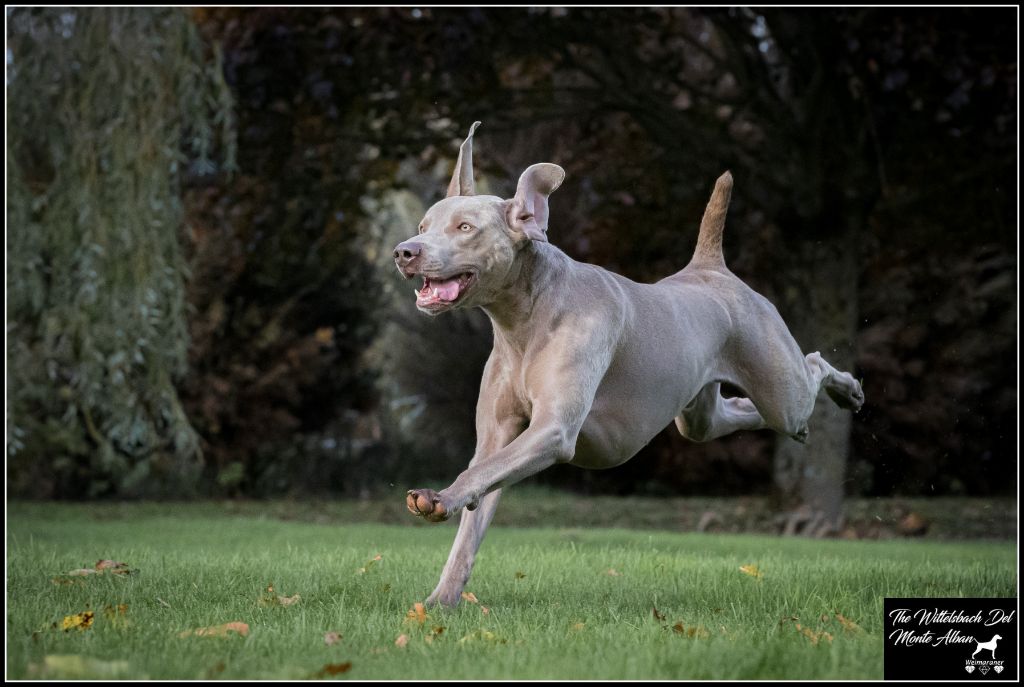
{"type": "Point", "coordinates": [71, 667]}
{"type": "Point", "coordinates": [288, 600]}
{"type": "Point", "coordinates": [752, 570]}
{"type": "Point", "coordinates": [334, 669]}
{"type": "Point", "coordinates": [218, 630]}
{"type": "Point", "coordinates": [848, 624]}
{"type": "Point", "coordinates": [612, 572]}
{"type": "Point", "coordinates": [369, 564]}
{"type": "Point", "coordinates": [271, 598]}
{"type": "Point", "coordinates": [657, 614]}
{"type": "Point", "coordinates": [417, 613]}
{"type": "Point", "coordinates": [102, 567]}
{"type": "Point", "coordinates": [812, 635]}
{"type": "Point", "coordinates": [789, 618]}
{"type": "Point", "coordinates": [331, 638]}
{"type": "Point", "coordinates": [107, 564]}
{"type": "Point", "coordinates": [695, 632]}
{"type": "Point", "coordinates": [520, 575]}
{"type": "Point", "coordinates": [485, 610]}
{"type": "Point", "coordinates": [470, 597]}
{"type": "Point", "coordinates": [436, 631]}
{"type": "Point", "coordinates": [402, 641]}
{"type": "Point", "coordinates": [578, 626]}
{"type": "Point", "coordinates": [78, 621]}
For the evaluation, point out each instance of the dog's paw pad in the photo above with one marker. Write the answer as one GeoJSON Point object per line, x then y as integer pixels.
{"type": "Point", "coordinates": [427, 504]}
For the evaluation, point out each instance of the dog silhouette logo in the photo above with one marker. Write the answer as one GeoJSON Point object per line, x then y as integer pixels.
{"type": "Point", "coordinates": [990, 645]}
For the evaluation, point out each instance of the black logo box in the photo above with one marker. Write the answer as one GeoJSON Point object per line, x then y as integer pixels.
{"type": "Point", "coordinates": [951, 639]}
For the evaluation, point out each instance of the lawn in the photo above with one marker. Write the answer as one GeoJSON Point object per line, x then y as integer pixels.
{"type": "Point", "coordinates": [562, 603]}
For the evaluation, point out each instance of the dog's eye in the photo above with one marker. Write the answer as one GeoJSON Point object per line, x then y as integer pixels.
{"type": "Point", "coordinates": [465, 227]}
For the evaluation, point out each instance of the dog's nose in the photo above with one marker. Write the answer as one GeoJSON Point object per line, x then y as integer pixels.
{"type": "Point", "coordinates": [406, 252]}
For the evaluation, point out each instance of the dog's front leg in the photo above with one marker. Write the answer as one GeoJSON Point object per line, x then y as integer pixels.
{"type": "Point", "coordinates": [544, 443]}
{"type": "Point", "coordinates": [492, 435]}
{"type": "Point", "coordinates": [472, 526]}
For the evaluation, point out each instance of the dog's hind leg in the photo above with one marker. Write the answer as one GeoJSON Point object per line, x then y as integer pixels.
{"type": "Point", "coordinates": [710, 415]}
{"type": "Point", "coordinates": [841, 387]}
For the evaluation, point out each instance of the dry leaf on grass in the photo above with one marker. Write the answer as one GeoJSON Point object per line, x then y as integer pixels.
{"type": "Point", "coordinates": [435, 632]}
{"type": "Point", "coordinates": [612, 572]}
{"type": "Point", "coordinates": [78, 621]}
{"type": "Point", "coordinates": [417, 614]}
{"type": "Point", "coordinates": [271, 598]}
{"type": "Point", "coordinates": [752, 570]}
{"type": "Point", "coordinates": [848, 624]}
{"type": "Point", "coordinates": [331, 638]}
{"type": "Point", "coordinates": [812, 635]}
{"type": "Point", "coordinates": [330, 669]}
{"type": "Point", "coordinates": [485, 610]}
{"type": "Point", "coordinates": [696, 632]}
{"type": "Point", "coordinates": [102, 567]}
{"type": "Point", "coordinates": [369, 564]}
{"type": "Point", "coordinates": [578, 626]}
{"type": "Point", "coordinates": [218, 630]}
{"type": "Point", "coordinates": [112, 566]}
{"type": "Point", "coordinates": [470, 597]}
{"type": "Point", "coordinates": [520, 575]}
{"type": "Point", "coordinates": [658, 615]}
{"type": "Point", "coordinates": [401, 641]}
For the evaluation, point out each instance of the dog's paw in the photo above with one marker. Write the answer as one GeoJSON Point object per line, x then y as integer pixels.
{"type": "Point", "coordinates": [846, 392]}
{"type": "Point", "coordinates": [428, 504]}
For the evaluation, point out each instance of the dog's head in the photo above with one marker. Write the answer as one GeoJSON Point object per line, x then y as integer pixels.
{"type": "Point", "coordinates": [467, 244]}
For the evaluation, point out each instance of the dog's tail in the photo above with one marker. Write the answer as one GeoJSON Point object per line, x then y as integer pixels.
{"type": "Point", "coordinates": [709, 242]}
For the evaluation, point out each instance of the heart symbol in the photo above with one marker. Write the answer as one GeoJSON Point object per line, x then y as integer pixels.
{"type": "Point", "coordinates": [969, 669]}
{"type": "Point", "coordinates": [999, 669]}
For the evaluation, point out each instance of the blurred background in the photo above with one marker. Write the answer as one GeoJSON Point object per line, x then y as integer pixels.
{"type": "Point", "coordinates": [202, 203]}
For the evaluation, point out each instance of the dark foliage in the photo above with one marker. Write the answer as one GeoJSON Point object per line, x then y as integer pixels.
{"type": "Point", "coordinates": [890, 131]}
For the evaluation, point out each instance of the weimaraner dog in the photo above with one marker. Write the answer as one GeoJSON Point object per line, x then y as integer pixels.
{"type": "Point", "coordinates": [588, 366]}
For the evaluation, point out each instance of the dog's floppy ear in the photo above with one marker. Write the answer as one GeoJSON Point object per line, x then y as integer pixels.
{"type": "Point", "coordinates": [528, 211]}
{"type": "Point", "coordinates": [462, 178]}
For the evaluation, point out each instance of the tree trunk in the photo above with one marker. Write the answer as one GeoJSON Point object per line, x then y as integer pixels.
{"type": "Point", "coordinates": [820, 306]}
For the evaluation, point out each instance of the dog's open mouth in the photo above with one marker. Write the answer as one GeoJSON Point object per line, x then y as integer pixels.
{"type": "Point", "coordinates": [437, 292]}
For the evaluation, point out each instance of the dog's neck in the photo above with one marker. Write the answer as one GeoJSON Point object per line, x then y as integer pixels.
{"type": "Point", "coordinates": [514, 312]}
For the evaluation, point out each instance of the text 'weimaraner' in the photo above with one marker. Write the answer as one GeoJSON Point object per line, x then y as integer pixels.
{"type": "Point", "coordinates": [588, 366]}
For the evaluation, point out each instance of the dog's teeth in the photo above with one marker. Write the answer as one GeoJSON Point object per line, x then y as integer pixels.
{"type": "Point", "coordinates": [435, 293]}
{"type": "Point", "coordinates": [416, 292]}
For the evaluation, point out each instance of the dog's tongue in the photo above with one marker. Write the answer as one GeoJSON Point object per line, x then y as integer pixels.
{"type": "Point", "coordinates": [447, 290]}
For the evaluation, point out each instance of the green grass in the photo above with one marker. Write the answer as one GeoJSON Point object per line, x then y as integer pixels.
{"type": "Point", "coordinates": [564, 617]}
